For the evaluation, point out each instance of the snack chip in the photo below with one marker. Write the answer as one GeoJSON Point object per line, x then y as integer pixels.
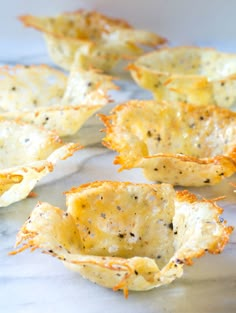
{"type": "Point", "coordinates": [45, 97]}
{"type": "Point", "coordinates": [199, 76]}
{"type": "Point", "coordinates": [27, 154]}
{"type": "Point", "coordinates": [175, 143]}
{"type": "Point", "coordinates": [97, 40]}
{"type": "Point", "coordinates": [126, 236]}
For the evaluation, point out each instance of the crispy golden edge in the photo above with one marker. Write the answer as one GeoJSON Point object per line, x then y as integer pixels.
{"type": "Point", "coordinates": [109, 143]}
{"type": "Point", "coordinates": [71, 148]}
{"type": "Point", "coordinates": [38, 169]}
{"type": "Point", "coordinates": [138, 68]}
{"type": "Point", "coordinates": [114, 184]}
{"type": "Point", "coordinates": [29, 21]}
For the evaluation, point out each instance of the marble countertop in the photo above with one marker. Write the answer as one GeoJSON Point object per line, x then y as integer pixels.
{"type": "Point", "coordinates": [34, 282]}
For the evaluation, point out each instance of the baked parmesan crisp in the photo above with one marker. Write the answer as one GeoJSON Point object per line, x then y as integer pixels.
{"type": "Point", "coordinates": [200, 76]}
{"type": "Point", "coordinates": [91, 38]}
{"type": "Point", "coordinates": [46, 97]}
{"type": "Point", "coordinates": [126, 236]}
{"type": "Point", "coordinates": [27, 154]}
{"type": "Point", "coordinates": [175, 143]}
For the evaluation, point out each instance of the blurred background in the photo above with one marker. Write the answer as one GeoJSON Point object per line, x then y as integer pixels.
{"type": "Point", "coordinates": [202, 22]}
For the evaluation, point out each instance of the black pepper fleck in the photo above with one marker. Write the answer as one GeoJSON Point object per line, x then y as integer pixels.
{"type": "Point", "coordinates": [157, 85]}
{"type": "Point", "coordinates": [121, 235]}
{"type": "Point", "coordinates": [103, 215]}
{"type": "Point", "coordinates": [178, 261]}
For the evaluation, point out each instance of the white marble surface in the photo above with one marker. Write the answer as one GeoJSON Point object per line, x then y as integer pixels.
{"type": "Point", "coordinates": [33, 282]}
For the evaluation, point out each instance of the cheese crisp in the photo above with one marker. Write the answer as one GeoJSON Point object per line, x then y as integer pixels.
{"type": "Point", "coordinates": [45, 97]}
{"type": "Point", "coordinates": [188, 74]}
{"type": "Point", "coordinates": [126, 236]}
{"type": "Point", "coordinates": [176, 143]}
{"type": "Point", "coordinates": [27, 153]}
{"type": "Point", "coordinates": [95, 39]}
